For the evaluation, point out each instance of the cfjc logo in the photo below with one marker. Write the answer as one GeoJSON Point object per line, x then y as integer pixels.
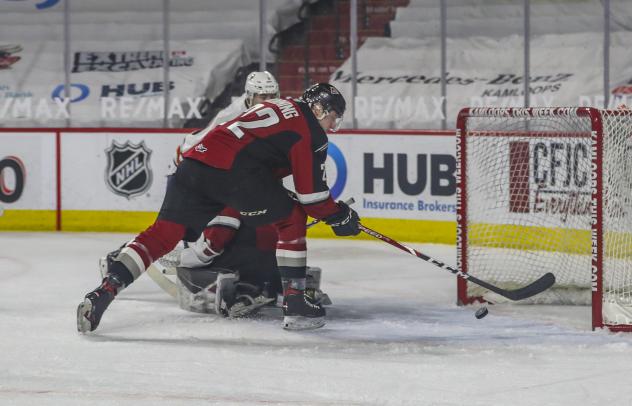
{"type": "Point", "coordinates": [40, 6]}
{"type": "Point", "coordinates": [84, 92]}
{"type": "Point", "coordinates": [10, 194]}
{"type": "Point", "coordinates": [128, 173]}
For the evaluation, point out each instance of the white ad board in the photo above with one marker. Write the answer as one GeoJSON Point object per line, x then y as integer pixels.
{"type": "Point", "coordinates": [116, 171]}
{"type": "Point", "coordinates": [28, 170]}
{"type": "Point", "coordinates": [402, 176]}
{"type": "Point", "coordinates": [391, 175]}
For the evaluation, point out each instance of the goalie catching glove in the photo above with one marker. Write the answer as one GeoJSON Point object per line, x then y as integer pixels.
{"type": "Point", "coordinates": [345, 222]}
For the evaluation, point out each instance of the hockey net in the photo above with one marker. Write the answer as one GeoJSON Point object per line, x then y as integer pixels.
{"type": "Point", "coordinates": [548, 190]}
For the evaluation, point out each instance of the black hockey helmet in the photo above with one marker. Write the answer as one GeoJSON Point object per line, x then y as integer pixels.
{"type": "Point", "coordinates": [327, 96]}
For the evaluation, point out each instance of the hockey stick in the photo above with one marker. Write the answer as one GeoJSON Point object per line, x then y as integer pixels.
{"type": "Point", "coordinates": [540, 285]}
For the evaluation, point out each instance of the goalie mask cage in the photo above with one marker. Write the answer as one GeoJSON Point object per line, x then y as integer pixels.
{"type": "Point", "coordinates": [547, 190]}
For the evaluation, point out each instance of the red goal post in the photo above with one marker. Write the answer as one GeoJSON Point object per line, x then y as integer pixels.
{"type": "Point", "coordinates": [548, 190]}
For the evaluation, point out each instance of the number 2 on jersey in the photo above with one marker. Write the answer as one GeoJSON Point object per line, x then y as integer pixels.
{"type": "Point", "coordinates": [267, 118]}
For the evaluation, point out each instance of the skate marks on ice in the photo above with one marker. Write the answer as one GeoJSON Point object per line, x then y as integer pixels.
{"type": "Point", "coordinates": [383, 301]}
{"type": "Point", "coordinates": [11, 267]}
{"type": "Point", "coordinates": [394, 336]}
{"type": "Point", "coordinates": [354, 326]}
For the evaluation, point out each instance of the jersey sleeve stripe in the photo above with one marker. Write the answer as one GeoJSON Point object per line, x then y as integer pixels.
{"type": "Point", "coordinates": [225, 221]}
{"type": "Point", "coordinates": [292, 259]}
{"type": "Point", "coordinates": [312, 198]}
{"type": "Point", "coordinates": [291, 254]}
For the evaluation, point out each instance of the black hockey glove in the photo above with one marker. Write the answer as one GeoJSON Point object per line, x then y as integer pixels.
{"type": "Point", "coordinates": [345, 222]}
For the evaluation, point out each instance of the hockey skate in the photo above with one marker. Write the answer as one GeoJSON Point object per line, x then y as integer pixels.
{"type": "Point", "coordinates": [299, 313]}
{"type": "Point", "coordinates": [89, 312]}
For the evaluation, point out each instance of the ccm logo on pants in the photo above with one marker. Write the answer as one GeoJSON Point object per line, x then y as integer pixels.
{"type": "Point", "coordinates": [253, 213]}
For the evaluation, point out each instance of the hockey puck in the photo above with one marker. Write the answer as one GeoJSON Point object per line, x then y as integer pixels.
{"type": "Point", "coordinates": [481, 312]}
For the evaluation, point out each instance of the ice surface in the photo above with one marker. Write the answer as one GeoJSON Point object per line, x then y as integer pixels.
{"type": "Point", "coordinates": [394, 337]}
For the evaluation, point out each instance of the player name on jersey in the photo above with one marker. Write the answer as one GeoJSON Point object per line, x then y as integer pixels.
{"type": "Point", "coordinates": [287, 109]}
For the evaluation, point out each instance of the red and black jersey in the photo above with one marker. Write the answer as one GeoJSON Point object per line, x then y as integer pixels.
{"type": "Point", "coordinates": [251, 251]}
{"type": "Point", "coordinates": [222, 229]}
{"type": "Point", "coordinates": [282, 136]}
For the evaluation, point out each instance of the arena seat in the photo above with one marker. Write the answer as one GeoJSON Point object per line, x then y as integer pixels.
{"type": "Point", "coordinates": [142, 20]}
{"type": "Point", "coordinates": [499, 18]}
{"type": "Point", "coordinates": [501, 27]}
{"type": "Point", "coordinates": [100, 71]}
{"type": "Point", "coordinates": [220, 35]}
{"type": "Point", "coordinates": [420, 13]}
{"type": "Point", "coordinates": [114, 32]}
{"type": "Point", "coordinates": [399, 78]}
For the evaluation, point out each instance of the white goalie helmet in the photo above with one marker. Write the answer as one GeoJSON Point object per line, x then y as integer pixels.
{"type": "Point", "coordinates": [261, 83]}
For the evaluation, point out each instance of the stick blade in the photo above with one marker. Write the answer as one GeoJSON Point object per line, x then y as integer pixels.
{"type": "Point", "coordinates": [538, 286]}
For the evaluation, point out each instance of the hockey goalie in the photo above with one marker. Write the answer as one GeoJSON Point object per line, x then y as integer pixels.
{"type": "Point", "coordinates": [230, 270]}
{"type": "Point", "coordinates": [259, 193]}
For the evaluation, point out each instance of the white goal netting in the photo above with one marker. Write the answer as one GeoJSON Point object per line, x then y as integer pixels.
{"type": "Point", "coordinates": [529, 197]}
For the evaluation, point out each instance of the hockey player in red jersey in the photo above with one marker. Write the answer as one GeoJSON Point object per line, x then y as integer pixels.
{"type": "Point", "coordinates": [222, 230]}
{"type": "Point", "coordinates": [238, 164]}
{"type": "Point", "coordinates": [259, 87]}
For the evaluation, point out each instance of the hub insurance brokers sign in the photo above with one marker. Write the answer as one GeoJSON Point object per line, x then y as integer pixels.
{"type": "Point", "coordinates": [394, 176]}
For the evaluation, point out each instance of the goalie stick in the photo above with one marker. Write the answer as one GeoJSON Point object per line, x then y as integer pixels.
{"type": "Point", "coordinates": [157, 272]}
{"type": "Point", "coordinates": [540, 285]}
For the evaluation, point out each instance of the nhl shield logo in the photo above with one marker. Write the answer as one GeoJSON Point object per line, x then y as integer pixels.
{"type": "Point", "coordinates": [128, 173]}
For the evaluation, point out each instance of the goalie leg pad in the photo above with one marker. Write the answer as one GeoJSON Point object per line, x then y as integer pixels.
{"type": "Point", "coordinates": [196, 289]}
{"type": "Point", "coordinates": [219, 291]}
{"type": "Point", "coordinates": [313, 277]}
{"type": "Point", "coordinates": [225, 293]}
{"type": "Point", "coordinates": [312, 287]}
